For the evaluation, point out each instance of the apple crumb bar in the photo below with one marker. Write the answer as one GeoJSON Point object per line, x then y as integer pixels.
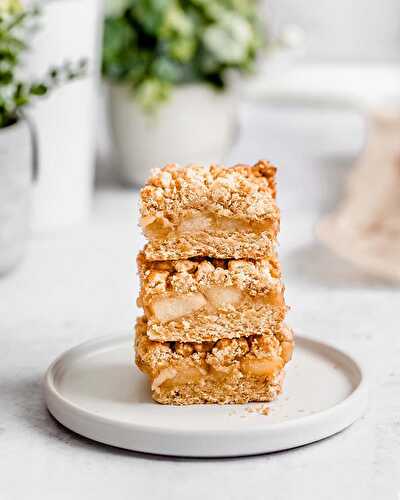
{"type": "Point", "coordinates": [219, 212]}
{"type": "Point", "coordinates": [208, 299]}
{"type": "Point", "coordinates": [227, 371]}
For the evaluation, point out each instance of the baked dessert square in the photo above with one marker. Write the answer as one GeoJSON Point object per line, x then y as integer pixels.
{"type": "Point", "coordinates": [205, 299]}
{"type": "Point", "coordinates": [217, 212]}
{"type": "Point", "coordinates": [227, 371]}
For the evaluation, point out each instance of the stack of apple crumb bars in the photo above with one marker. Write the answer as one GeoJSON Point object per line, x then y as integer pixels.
{"type": "Point", "coordinates": [213, 327]}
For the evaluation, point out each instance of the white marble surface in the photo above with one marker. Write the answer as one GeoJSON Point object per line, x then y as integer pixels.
{"type": "Point", "coordinates": [81, 283]}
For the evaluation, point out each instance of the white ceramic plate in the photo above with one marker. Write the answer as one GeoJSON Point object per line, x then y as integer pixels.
{"type": "Point", "coordinates": [95, 390]}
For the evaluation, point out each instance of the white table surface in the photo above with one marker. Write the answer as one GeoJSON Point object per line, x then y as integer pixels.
{"type": "Point", "coordinates": [80, 284]}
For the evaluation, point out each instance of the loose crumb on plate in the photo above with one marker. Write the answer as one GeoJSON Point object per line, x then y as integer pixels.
{"type": "Point", "coordinates": [261, 410]}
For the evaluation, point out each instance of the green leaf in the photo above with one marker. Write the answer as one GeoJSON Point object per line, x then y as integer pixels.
{"type": "Point", "coordinates": [167, 70]}
{"type": "Point", "coordinates": [151, 92]}
{"type": "Point", "coordinates": [38, 89]}
{"type": "Point", "coordinates": [6, 77]}
{"type": "Point", "coordinates": [150, 14]}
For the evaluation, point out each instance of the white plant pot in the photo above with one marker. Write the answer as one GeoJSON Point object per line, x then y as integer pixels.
{"type": "Point", "coordinates": [70, 30]}
{"type": "Point", "coordinates": [196, 125]}
{"type": "Point", "coordinates": [15, 193]}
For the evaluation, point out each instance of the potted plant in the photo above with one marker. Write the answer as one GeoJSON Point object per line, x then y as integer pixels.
{"type": "Point", "coordinates": [18, 149]}
{"type": "Point", "coordinates": [171, 65]}
{"type": "Point", "coordinates": [69, 30]}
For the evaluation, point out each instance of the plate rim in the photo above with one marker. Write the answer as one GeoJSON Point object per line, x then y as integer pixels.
{"type": "Point", "coordinates": [52, 393]}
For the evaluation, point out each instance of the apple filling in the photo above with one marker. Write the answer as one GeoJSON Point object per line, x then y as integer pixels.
{"type": "Point", "coordinates": [173, 307]}
{"type": "Point", "coordinates": [249, 366]}
{"type": "Point", "coordinates": [159, 227]}
{"type": "Point", "coordinates": [168, 309]}
{"type": "Point", "coordinates": [263, 367]}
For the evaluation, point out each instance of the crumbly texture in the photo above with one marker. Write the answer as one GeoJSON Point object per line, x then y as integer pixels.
{"type": "Point", "coordinates": [213, 243]}
{"type": "Point", "coordinates": [235, 390]}
{"type": "Point", "coordinates": [227, 371]}
{"type": "Point", "coordinates": [255, 277]}
{"type": "Point", "coordinates": [217, 212]}
{"type": "Point", "coordinates": [261, 410]}
{"type": "Point", "coordinates": [242, 192]}
{"type": "Point", "coordinates": [265, 410]}
{"type": "Point", "coordinates": [208, 299]}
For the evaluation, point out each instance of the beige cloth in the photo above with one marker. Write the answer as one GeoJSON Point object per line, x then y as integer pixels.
{"type": "Point", "coordinates": [366, 227]}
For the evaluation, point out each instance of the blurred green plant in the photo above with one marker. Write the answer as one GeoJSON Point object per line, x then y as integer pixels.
{"type": "Point", "coordinates": [154, 45]}
{"type": "Point", "coordinates": [15, 92]}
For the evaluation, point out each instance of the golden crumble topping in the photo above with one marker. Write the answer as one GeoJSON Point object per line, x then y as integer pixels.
{"type": "Point", "coordinates": [239, 192]}
{"type": "Point", "coordinates": [256, 277]}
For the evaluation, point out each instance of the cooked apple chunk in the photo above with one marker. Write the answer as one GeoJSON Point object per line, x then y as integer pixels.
{"type": "Point", "coordinates": [169, 308]}
{"type": "Point", "coordinates": [219, 296]}
{"type": "Point", "coordinates": [206, 299]}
